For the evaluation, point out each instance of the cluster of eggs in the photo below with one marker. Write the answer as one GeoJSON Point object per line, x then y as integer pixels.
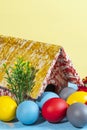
{"type": "Point", "coordinates": [70, 104]}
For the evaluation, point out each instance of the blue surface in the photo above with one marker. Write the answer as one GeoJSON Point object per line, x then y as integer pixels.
{"type": "Point", "coordinates": [41, 124]}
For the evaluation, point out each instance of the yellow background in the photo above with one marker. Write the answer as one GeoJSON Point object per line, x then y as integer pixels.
{"type": "Point", "coordinates": [62, 22]}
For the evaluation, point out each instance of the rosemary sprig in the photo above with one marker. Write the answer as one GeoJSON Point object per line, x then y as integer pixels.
{"type": "Point", "coordinates": [20, 79]}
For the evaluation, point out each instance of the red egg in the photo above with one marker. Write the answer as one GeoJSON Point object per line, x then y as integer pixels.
{"type": "Point", "coordinates": [82, 88]}
{"type": "Point", "coordinates": [54, 110]}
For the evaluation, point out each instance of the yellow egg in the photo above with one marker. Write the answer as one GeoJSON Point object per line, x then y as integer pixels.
{"type": "Point", "coordinates": [7, 108]}
{"type": "Point", "coordinates": [79, 96]}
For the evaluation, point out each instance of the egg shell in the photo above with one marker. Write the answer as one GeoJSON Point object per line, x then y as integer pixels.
{"type": "Point", "coordinates": [77, 114]}
{"type": "Point", "coordinates": [44, 97]}
{"type": "Point", "coordinates": [27, 112]}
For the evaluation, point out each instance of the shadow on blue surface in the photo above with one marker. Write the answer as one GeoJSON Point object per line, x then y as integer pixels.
{"type": "Point", "coordinates": [41, 124]}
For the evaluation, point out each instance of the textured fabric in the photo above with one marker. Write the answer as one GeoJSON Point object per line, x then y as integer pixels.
{"type": "Point", "coordinates": [53, 65]}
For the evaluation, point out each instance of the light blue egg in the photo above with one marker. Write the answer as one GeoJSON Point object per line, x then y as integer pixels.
{"type": "Point", "coordinates": [72, 85]}
{"type": "Point", "coordinates": [44, 97]}
{"type": "Point", "coordinates": [27, 112]}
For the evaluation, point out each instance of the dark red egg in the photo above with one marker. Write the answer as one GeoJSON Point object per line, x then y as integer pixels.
{"type": "Point", "coordinates": [82, 88]}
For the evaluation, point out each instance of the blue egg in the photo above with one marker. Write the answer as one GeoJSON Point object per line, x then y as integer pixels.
{"type": "Point", "coordinates": [72, 85]}
{"type": "Point", "coordinates": [44, 97]}
{"type": "Point", "coordinates": [27, 112]}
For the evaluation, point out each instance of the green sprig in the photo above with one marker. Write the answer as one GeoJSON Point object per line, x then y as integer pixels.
{"type": "Point", "coordinates": [20, 79]}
